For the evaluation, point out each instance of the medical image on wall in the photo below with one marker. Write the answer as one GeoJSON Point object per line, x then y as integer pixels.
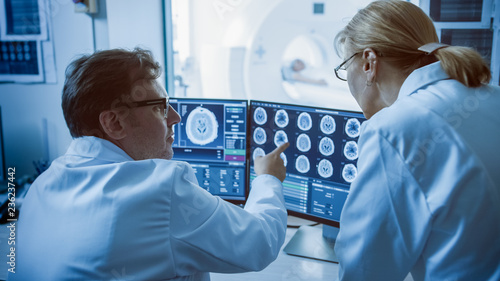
{"type": "Point", "coordinates": [202, 125]}
{"type": "Point", "coordinates": [323, 143]}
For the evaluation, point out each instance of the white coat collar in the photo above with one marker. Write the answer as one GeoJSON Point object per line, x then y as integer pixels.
{"type": "Point", "coordinates": [94, 147]}
{"type": "Point", "coordinates": [422, 77]}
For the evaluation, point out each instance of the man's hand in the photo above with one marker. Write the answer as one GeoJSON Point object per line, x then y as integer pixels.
{"type": "Point", "coordinates": [272, 164]}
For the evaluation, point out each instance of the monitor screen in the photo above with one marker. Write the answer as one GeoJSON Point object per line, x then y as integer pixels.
{"type": "Point", "coordinates": [212, 137]}
{"type": "Point", "coordinates": [321, 159]}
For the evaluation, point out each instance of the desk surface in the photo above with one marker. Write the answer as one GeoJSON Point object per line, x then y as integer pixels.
{"type": "Point", "coordinates": [285, 267]}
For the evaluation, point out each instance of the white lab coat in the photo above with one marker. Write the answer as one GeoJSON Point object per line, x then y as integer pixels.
{"type": "Point", "coordinates": [427, 195]}
{"type": "Point", "coordinates": [96, 214]}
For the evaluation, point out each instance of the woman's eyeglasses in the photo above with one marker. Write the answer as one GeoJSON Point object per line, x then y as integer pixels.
{"type": "Point", "coordinates": [341, 70]}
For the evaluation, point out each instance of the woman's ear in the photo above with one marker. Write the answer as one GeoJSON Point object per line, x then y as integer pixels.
{"type": "Point", "coordinates": [370, 65]}
{"type": "Point", "coordinates": [112, 124]}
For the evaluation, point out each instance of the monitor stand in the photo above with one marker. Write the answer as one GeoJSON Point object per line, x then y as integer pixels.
{"type": "Point", "coordinates": [314, 242]}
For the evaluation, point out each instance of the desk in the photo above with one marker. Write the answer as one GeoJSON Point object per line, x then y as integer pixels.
{"type": "Point", "coordinates": [290, 268]}
{"type": "Point", "coordinates": [285, 267]}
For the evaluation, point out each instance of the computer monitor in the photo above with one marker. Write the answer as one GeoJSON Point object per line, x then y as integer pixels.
{"type": "Point", "coordinates": [321, 159]}
{"type": "Point", "coordinates": [212, 137]}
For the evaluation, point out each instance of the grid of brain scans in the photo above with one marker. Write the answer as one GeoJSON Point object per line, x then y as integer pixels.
{"type": "Point", "coordinates": [212, 138]}
{"type": "Point", "coordinates": [321, 159]}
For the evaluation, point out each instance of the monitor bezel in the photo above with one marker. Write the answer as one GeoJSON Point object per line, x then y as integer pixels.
{"type": "Point", "coordinates": [290, 212]}
{"type": "Point", "coordinates": [240, 202]}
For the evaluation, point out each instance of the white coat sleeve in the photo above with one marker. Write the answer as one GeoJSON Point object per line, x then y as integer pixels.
{"type": "Point", "coordinates": [385, 220]}
{"type": "Point", "coordinates": [211, 235]}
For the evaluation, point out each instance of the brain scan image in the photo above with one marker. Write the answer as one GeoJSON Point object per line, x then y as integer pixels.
{"type": "Point", "coordinates": [280, 138]}
{"type": "Point", "coordinates": [303, 143]}
{"type": "Point", "coordinates": [352, 128]}
{"type": "Point", "coordinates": [327, 124]}
{"type": "Point", "coordinates": [326, 146]}
{"type": "Point", "coordinates": [304, 121]}
{"type": "Point", "coordinates": [258, 152]}
{"type": "Point", "coordinates": [259, 136]}
{"type": "Point", "coordinates": [351, 150]}
{"type": "Point", "coordinates": [281, 118]}
{"type": "Point", "coordinates": [349, 173]}
{"type": "Point", "coordinates": [201, 126]}
{"type": "Point", "coordinates": [325, 168]}
{"type": "Point", "coordinates": [260, 116]}
{"type": "Point", "coordinates": [283, 156]}
{"type": "Point", "coordinates": [302, 164]}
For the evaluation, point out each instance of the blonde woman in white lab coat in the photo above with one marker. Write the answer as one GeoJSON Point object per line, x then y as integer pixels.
{"type": "Point", "coordinates": [427, 196]}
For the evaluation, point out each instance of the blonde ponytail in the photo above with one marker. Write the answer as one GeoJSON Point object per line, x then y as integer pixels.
{"type": "Point", "coordinates": [465, 65]}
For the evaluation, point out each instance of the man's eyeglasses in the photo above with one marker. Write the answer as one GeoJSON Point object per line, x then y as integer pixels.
{"type": "Point", "coordinates": [163, 102]}
{"type": "Point", "coordinates": [341, 70]}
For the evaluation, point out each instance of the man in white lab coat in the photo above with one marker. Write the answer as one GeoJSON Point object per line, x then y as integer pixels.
{"type": "Point", "coordinates": [115, 207]}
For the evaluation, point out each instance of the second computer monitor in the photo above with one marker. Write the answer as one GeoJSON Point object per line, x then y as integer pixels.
{"type": "Point", "coordinates": [321, 159]}
{"type": "Point", "coordinates": [212, 137]}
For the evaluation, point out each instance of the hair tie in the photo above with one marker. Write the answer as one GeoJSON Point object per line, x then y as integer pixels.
{"type": "Point", "coordinates": [432, 47]}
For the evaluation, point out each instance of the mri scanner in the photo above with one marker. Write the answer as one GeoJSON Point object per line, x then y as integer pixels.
{"type": "Point", "coordinates": [267, 35]}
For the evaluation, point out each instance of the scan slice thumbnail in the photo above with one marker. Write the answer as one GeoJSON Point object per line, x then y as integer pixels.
{"type": "Point", "coordinates": [283, 156]}
{"type": "Point", "coordinates": [280, 138]}
{"type": "Point", "coordinates": [351, 150]}
{"type": "Point", "coordinates": [258, 152]}
{"type": "Point", "coordinates": [352, 128]}
{"type": "Point", "coordinates": [327, 125]}
{"type": "Point", "coordinates": [326, 146]}
{"type": "Point", "coordinates": [303, 143]}
{"type": "Point", "coordinates": [259, 136]}
{"type": "Point", "coordinates": [349, 173]}
{"type": "Point", "coordinates": [304, 121]}
{"type": "Point", "coordinates": [201, 126]}
{"type": "Point", "coordinates": [302, 164]}
{"type": "Point", "coordinates": [281, 118]}
{"type": "Point", "coordinates": [260, 116]}
{"type": "Point", "coordinates": [325, 168]}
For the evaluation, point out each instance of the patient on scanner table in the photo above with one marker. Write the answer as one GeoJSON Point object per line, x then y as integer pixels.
{"type": "Point", "coordinates": [293, 73]}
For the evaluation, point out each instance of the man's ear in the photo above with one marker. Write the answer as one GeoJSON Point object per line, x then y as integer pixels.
{"type": "Point", "coordinates": [112, 124]}
{"type": "Point", "coordinates": [370, 64]}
